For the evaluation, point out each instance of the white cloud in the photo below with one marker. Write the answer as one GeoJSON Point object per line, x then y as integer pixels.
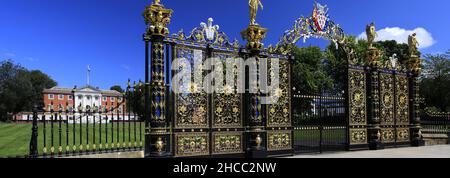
{"type": "Point", "coordinates": [400, 35]}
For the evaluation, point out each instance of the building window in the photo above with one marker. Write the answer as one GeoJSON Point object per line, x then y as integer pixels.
{"type": "Point", "coordinates": [70, 108]}
{"type": "Point", "coordinates": [104, 98]}
{"type": "Point", "coordinates": [112, 98]}
{"type": "Point", "coordinates": [88, 97]}
{"type": "Point", "coordinates": [51, 96]}
{"type": "Point", "coordinates": [111, 109]}
{"type": "Point", "coordinates": [119, 99]}
{"type": "Point", "coordinates": [80, 97]}
{"type": "Point", "coordinates": [50, 107]}
{"type": "Point", "coordinates": [61, 107]}
{"type": "Point", "coordinates": [96, 98]}
{"type": "Point", "coordinates": [70, 97]}
{"type": "Point", "coordinates": [60, 97]}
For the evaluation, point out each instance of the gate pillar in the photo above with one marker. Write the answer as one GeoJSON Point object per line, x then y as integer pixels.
{"type": "Point", "coordinates": [373, 102]}
{"type": "Point", "coordinates": [255, 115]}
{"type": "Point", "coordinates": [414, 68]}
{"type": "Point", "coordinates": [157, 131]}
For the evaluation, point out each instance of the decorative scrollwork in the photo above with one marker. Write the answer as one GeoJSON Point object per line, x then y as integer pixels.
{"type": "Point", "coordinates": [279, 140]}
{"type": "Point", "coordinates": [227, 142]}
{"type": "Point", "coordinates": [387, 99]}
{"type": "Point", "coordinates": [191, 144]}
{"type": "Point", "coordinates": [317, 26]}
{"type": "Point", "coordinates": [227, 104]}
{"type": "Point", "coordinates": [402, 103]}
{"type": "Point", "coordinates": [403, 135]}
{"type": "Point", "coordinates": [279, 113]}
{"type": "Point", "coordinates": [388, 135]}
{"type": "Point", "coordinates": [357, 94]}
{"type": "Point", "coordinates": [191, 108]}
{"type": "Point", "coordinates": [358, 136]}
{"type": "Point", "coordinates": [207, 33]}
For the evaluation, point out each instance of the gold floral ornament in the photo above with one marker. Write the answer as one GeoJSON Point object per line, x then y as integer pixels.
{"type": "Point", "coordinates": [157, 18]}
{"type": "Point", "coordinates": [278, 92]}
{"type": "Point", "coordinates": [227, 90]}
{"type": "Point", "coordinates": [182, 109]}
{"type": "Point", "coordinates": [219, 110]}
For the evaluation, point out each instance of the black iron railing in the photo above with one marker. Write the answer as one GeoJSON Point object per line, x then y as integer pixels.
{"type": "Point", "coordinates": [319, 123]}
{"type": "Point", "coordinates": [435, 123]}
{"type": "Point", "coordinates": [93, 130]}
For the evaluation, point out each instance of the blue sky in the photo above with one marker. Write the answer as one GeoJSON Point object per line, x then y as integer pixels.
{"type": "Point", "coordinates": [62, 37]}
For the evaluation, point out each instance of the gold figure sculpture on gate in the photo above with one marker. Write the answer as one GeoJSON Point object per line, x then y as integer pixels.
{"type": "Point", "coordinates": [413, 44]}
{"type": "Point", "coordinates": [157, 2]}
{"type": "Point", "coordinates": [371, 34]}
{"type": "Point", "coordinates": [254, 5]}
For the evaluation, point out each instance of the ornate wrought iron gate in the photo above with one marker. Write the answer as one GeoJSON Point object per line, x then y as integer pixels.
{"type": "Point", "coordinates": [206, 124]}
{"type": "Point", "coordinates": [200, 123]}
{"type": "Point", "coordinates": [394, 108]}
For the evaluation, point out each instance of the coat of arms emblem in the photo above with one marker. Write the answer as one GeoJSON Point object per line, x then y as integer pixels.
{"type": "Point", "coordinates": [320, 16]}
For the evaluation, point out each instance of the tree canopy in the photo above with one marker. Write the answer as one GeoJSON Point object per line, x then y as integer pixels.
{"type": "Point", "coordinates": [20, 88]}
{"type": "Point", "coordinates": [435, 83]}
{"type": "Point", "coordinates": [117, 88]}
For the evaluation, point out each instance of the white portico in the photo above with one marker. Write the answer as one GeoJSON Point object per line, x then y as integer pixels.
{"type": "Point", "coordinates": [88, 98]}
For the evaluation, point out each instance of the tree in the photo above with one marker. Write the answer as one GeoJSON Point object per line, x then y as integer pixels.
{"type": "Point", "coordinates": [15, 88]}
{"type": "Point", "coordinates": [391, 47]}
{"type": "Point", "coordinates": [310, 75]}
{"type": "Point", "coordinates": [39, 81]}
{"type": "Point", "coordinates": [435, 83]}
{"type": "Point", "coordinates": [20, 89]}
{"type": "Point", "coordinates": [117, 88]}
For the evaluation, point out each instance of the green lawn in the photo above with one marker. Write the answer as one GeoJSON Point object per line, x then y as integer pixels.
{"type": "Point", "coordinates": [15, 138]}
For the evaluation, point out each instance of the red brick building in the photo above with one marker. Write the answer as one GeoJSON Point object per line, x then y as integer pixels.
{"type": "Point", "coordinates": [86, 98]}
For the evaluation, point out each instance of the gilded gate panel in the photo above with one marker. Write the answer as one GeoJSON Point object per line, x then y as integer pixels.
{"type": "Point", "coordinates": [191, 107]}
{"type": "Point", "coordinates": [387, 98]}
{"type": "Point", "coordinates": [227, 103]}
{"type": "Point", "coordinates": [387, 135]}
{"type": "Point", "coordinates": [279, 113]}
{"type": "Point", "coordinates": [279, 140]}
{"type": "Point", "coordinates": [227, 142]}
{"type": "Point", "coordinates": [191, 144]}
{"type": "Point", "coordinates": [403, 135]}
{"type": "Point", "coordinates": [358, 136]}
{"type": "Point", "coordinates": [402, 104]}
{"type": "Point", "coordinates": [357, 97]}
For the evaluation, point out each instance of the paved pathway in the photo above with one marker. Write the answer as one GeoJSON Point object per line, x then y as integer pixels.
{"type": "Point", "coordinates": [439, 151]}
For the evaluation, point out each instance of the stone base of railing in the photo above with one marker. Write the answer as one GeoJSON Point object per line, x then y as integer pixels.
{"type": "Point", "coordinates": [435, 139]}
{"type": "Point", "coordinates": [132, 154]}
